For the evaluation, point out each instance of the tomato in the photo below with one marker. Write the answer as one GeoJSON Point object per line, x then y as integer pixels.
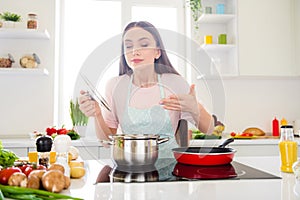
{"type": "Point", "coordinates": [31, 168]}
{"type": "Point", "coordinates": [23, 167]}
{"type": "Point", "coordinates": [233, 134]}
{"type": "Point", "coordinates": [62, 131]}
{"type": "Point", "coordinates": [51, 131]}
{"type": "Point", "coordinates": [6, 173]}
{"type": "Point", "coordinates": [41, 167]}
{"type": "Point", "coordinates": [247, 134]}
{"type": "Point", "coordinates": [27, 170]}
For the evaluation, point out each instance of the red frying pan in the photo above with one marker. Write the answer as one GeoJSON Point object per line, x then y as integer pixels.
{"type": "Point", "coordinates": [205, 155]}
{"type": "Point", "coordinates": [204, 172]}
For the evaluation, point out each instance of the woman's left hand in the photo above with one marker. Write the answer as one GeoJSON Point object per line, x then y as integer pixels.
{"type": "Point", "coordinates": [182, 102]}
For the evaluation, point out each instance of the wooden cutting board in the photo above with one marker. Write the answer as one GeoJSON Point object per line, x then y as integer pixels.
{"type": "Point", "coordinates": [256, 137]}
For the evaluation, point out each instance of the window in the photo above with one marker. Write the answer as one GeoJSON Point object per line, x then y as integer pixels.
{"type": "Point", "coordinates": [87, 23]}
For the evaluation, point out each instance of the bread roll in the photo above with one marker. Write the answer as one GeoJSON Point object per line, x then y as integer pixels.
{"type": "Point", "coordinates": [255, 131]}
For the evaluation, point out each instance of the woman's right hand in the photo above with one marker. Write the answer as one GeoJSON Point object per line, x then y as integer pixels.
{"type": "Point", "coordinates": [87, 105]}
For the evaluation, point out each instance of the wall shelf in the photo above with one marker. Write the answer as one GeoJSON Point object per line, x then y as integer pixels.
{"type": "Point", "coordinates": [23, 71]}
{"type": "Point", "coordinates": [215, 18]}
{"type": "Point", "coordinates": [15, 33]}
{"type": "Point", "coordinates": [217, 47]}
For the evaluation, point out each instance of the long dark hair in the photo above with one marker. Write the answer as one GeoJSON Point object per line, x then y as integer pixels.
{"type": "Point", "coordinates": [162, 64]}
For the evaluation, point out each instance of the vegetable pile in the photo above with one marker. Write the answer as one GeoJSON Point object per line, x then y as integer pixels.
{"type": "Point", "coordinates": [196, 134]}
{"type": "Point", "coordinates": [7, 157]}
{"type": "Point", "coordinates": [15, 192]}
{"type": "Point", "coordinates": [31, 181]}
{"type": "Point", "coordinates": [53, 132]}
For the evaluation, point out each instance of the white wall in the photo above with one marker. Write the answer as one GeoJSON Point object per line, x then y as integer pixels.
{"type": "Point", "coordinates": [256, 102]}
{"type": "Point", "coordinates": [26, 102]}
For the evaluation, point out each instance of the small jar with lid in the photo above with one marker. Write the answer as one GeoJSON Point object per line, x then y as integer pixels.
{"type": "Point", "coordinates": [43, 147]}
{"type": "Point", "coordinates": [32, 21]}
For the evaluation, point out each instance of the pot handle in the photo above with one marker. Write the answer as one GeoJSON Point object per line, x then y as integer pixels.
{"type": "Point", "coordinates": [162, 140]}
{"type": "Point", "coordinates": [226, 142]}
{"type": "Point", "coordinates": [106, 142]}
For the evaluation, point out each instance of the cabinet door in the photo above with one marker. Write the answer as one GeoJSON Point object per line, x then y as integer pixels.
{"type": "Point", "coordinates": [266, 37]}
{"type": "Point", "coordinates": [19, 151]}
{"type": "Point", "coordinates": [88, 153]}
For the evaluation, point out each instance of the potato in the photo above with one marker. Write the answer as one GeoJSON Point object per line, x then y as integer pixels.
{"type": "Point", "coordinates": [18, 179]}
{"type": "Point", "coordinates": [67, 182]}
{"type": "Point", "coordinates": [38, 173]}
{"type": "Point", "coordinates": [56, 166]}
{"type": "Point", "coordinates": [255, 131]}
{"type": "Point", "coordinates": [53, 181]}
{"type": "Point", "coordinates": [74, 152]}
{"type": "Point", "coordinates": [77, 172]}
{"type": "Point", "coordinates": [76, 164]}
{"type": "Point", "coordinates": [34, 182]}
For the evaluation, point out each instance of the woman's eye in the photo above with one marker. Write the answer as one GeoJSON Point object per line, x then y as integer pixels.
{"type": "Point", "coordinates": [144, 45]}
{"type": "Point", "coordinates": [128, 46]}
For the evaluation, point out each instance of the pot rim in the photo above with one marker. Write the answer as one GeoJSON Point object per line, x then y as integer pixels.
{"type": "Point", "coordinates": [135, 136]}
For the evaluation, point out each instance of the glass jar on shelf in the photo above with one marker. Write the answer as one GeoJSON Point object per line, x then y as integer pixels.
{"type": "Point", "coordinates": [32, 21]}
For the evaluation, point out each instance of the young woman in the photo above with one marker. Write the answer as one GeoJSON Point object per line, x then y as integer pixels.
{"type": "Point", "coordinates": [149, 96]}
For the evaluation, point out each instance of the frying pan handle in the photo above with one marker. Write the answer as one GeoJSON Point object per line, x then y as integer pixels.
{"type": "Point", "coordinates": [182, 133]}
{"type": "Point", "coordinates": [162, 140]}
{"type": "Point", "coordinates": [226, 142]}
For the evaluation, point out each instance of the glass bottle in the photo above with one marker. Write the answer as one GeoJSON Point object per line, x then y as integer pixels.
{"type": "Point", "coordinates": [62, 145]}
{"type": "Point", "coordinates": [32, 21]}
{"type": "Point", "coordinates": [43, 147]}
{"type": "Point", "coordinates": [288, 148]}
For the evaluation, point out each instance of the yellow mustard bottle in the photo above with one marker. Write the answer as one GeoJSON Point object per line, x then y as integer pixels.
{"type": "Point", "coordinates": [283, 122]}
{"type": "Point", "coordinates": [288, 148]}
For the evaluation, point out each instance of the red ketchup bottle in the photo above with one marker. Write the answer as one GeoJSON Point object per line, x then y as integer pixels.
{"type": "Point", "coordinates": [275, 127]}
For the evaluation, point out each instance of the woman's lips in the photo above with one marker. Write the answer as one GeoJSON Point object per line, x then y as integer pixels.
{"type": "Point", "coordinates": [136, 60]}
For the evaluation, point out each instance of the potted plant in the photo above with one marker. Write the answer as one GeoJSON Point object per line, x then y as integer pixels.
{"type": "Point", "coordinates": [196, 8]}
{"type": "Point", "coordinates": [79, 120]}
{"type": "Point", "coordinates": [10, 19]}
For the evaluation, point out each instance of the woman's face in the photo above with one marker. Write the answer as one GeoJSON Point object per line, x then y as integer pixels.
{"type": "Point", "coordinates": [140, 48]}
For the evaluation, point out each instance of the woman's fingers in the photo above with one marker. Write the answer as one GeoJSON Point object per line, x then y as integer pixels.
{"type": "Point", "coordinates": [192, 90]}
{"type": "Point", "coordinates": [86, 104]}
{"type": "Point", "coordinates": [181, 102]}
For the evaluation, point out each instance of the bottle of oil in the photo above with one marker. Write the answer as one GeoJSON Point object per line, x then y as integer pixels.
{"type": "Point", "coordinates": [288, 148]}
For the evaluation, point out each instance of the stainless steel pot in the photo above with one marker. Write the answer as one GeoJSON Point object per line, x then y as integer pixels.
{"type": "Point", "coordinates": [135, 149]}
{"type": "Point", "coordinates": [119, 175]}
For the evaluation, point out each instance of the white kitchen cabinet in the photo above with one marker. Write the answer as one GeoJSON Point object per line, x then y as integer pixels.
{"type": "Point", "coordinates": [19, 151]}
{"type": "Point", "coordinates": [104, 152]}
{"type": "Point", "coordinates": [224, 56]}
{"type": "Point", "coordinates": [89, 153]}
{"type": "Point", "coordinates": [266, 38]}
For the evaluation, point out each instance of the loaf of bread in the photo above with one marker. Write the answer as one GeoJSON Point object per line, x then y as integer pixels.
{"type": "Point", "coordinates": [254, 131]}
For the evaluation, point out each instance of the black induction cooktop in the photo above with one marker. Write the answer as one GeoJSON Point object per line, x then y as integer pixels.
{"type": "Point", "coordinates": [168, 169]}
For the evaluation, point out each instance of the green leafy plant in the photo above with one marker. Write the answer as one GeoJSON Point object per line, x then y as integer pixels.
{"type": "Point", "coordinates": [196, 8]}
{"type": "Point", "coordinates": [78, 118]}
{"type": "Point", "coordinates": [8, 16]}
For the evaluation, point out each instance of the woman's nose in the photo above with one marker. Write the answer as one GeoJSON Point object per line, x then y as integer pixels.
{"type": "Point", "coordinates": [135, 51]}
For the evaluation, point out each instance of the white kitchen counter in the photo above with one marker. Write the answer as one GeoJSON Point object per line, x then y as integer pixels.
{"type": "Point", "coordinates": [90, 148]}
{"type": "Point", "coordinates": [286, 188]}
{"type": "Point", "coordinates": [30, 143]}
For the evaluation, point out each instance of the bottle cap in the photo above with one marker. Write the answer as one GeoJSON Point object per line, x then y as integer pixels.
{"type": "Point", "coordinates": [286, 126]}
{"type": "Point", "coordinates": [44, 144]}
